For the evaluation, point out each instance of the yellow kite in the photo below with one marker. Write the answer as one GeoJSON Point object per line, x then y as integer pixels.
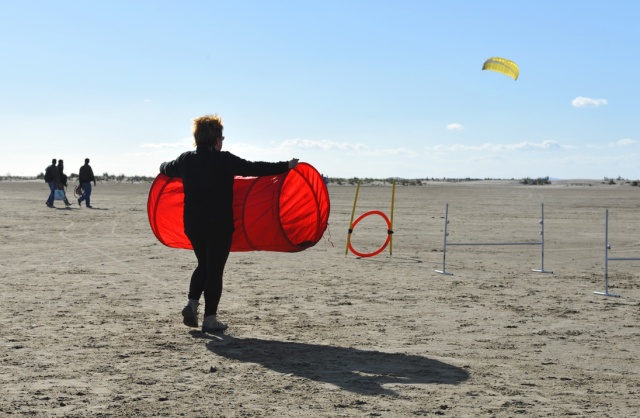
{"type": "Point", "coordinates": [503, 66]}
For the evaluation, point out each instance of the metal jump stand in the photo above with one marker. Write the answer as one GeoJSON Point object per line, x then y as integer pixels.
{"type": "Point", "coordinates": [607, 248]}
{"type": "Point", "coordinates": [446, 234]}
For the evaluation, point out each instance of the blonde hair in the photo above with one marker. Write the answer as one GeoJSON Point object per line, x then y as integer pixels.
{"type": "Point", "coordinates": [207, 129]}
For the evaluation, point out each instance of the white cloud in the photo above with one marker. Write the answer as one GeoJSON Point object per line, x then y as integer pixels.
{"type": "Point", "coordinates": [308, 146]}
{"type": "Point", "coordinates": [588, 102]}
{"type": "Point", "coordinates": [548, 144]}
{"type": "Point", "coordinates": [525, 145]}
{"type": "Point", "coordinates": [325, 145]}
{"type": "Point", "coordinates": [344, 148]}
{"type": "Point", "coordinates": [454, 127]}
{"type": "Point", "coordinates": [183, 143]}
{"type": "Point", "coordinates": [623, 142]}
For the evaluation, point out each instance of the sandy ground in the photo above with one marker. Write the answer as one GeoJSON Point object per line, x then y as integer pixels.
{"type": "Point", "coordinates": [91, 303]}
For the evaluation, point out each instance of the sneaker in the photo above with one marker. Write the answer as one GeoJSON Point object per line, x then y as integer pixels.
{"type": "Point", "coordinates": [211, 324]}
{"type": "Point", "coordinates": [190, 315]}
{"type": "Point", "coordinates": [90, 207]}
{"type": "Point", "coordinates": [49, 205]}
{"type": "Point", "coordinates": [79, 203]}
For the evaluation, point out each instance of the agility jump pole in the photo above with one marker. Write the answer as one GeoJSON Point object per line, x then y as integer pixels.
{"type": "Point", "coordinates": [390, 231]}
{"type": "Point", "coordinates": [352, 225]}
{"type": "Point", "coordinates": [353, 212]}
{"type": "Point", "coordinates": [446, 234]}
{"type": "Point", "coordinates": [607, 248]}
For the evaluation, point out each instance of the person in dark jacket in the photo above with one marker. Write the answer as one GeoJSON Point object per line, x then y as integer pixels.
{"type": "Point", "coordinates": [207, 175]}
{"type": "Point", "coordinates": [50, 178]}
{"type": "Point", "coordinates": [85, 177]}
{"type": "Point", "coordinates": [61, 180]}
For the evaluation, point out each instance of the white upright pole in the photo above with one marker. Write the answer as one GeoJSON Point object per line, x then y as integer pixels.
{"type": "Point", "coordinates": [607, 247]}
{"type": "Point", "coordinates": [444, 250]}
{"type": "Point", "coordinates": [542, 270]}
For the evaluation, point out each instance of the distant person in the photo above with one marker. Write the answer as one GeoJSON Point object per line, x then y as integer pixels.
{"type": "Point", "coordinates": [62, 181]}
{"type": "Point", "coordinates": [207, 175]}
{"type": "Point", "coordinates": [85, 176]}
{"type": "Point", "coordinates": [50, 178]}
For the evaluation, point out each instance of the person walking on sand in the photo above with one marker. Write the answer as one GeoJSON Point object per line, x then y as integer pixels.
{"type": "Point", "coordinates": [207, 175]}
{"type": "Point", "coordinates": [61, 180]}
{"type": "Point", "coordinates": [85, 176]}
{"type": "Point", "coordinates": [50, 179]}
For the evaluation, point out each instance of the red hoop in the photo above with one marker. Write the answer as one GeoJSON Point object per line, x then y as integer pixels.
{"type": "Point", "coordinates": [389, 232]}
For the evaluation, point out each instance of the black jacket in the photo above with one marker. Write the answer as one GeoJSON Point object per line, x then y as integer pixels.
{"type": "Point", "coordinates": [61, 178]}
{"type": "Point", "coordinates": [85, 175]}
{"type": "Point", "coordinates": [207, 176]}
{"type": "Point", "coordinates": [50, 173]}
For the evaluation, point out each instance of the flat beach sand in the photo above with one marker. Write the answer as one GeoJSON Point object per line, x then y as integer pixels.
{"type": "Point", "coordinates": [91, 301]}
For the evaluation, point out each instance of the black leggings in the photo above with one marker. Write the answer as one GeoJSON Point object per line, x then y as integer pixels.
{"type": "Point", "coordinates": [212, 251]}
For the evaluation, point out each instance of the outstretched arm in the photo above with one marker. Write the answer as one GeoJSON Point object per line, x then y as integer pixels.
{"type": "Point", "coordinates": [242, 167]}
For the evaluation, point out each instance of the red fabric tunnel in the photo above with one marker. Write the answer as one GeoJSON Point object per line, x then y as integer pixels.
{"type": "Point", "coordinates": [287, 212]}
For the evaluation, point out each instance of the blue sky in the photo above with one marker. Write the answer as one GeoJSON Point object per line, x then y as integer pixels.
{"type": "Point", "coordinates": [355, 88]}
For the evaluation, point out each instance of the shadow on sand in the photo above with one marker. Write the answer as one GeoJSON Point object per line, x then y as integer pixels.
{"type": "Point", "coordinates": [359, 371]}
{"type": "Point", "coordinates": [77, 208]}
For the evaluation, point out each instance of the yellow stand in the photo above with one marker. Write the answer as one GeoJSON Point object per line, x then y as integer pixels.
{"type": "Point", "coordinates": [353, 211]}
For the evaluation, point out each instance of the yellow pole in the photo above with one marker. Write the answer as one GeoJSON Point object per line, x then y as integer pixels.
{"type": "Point", "coordinates": [346, 250]}
{"type": "Point", "coordinates": [393, 197]}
